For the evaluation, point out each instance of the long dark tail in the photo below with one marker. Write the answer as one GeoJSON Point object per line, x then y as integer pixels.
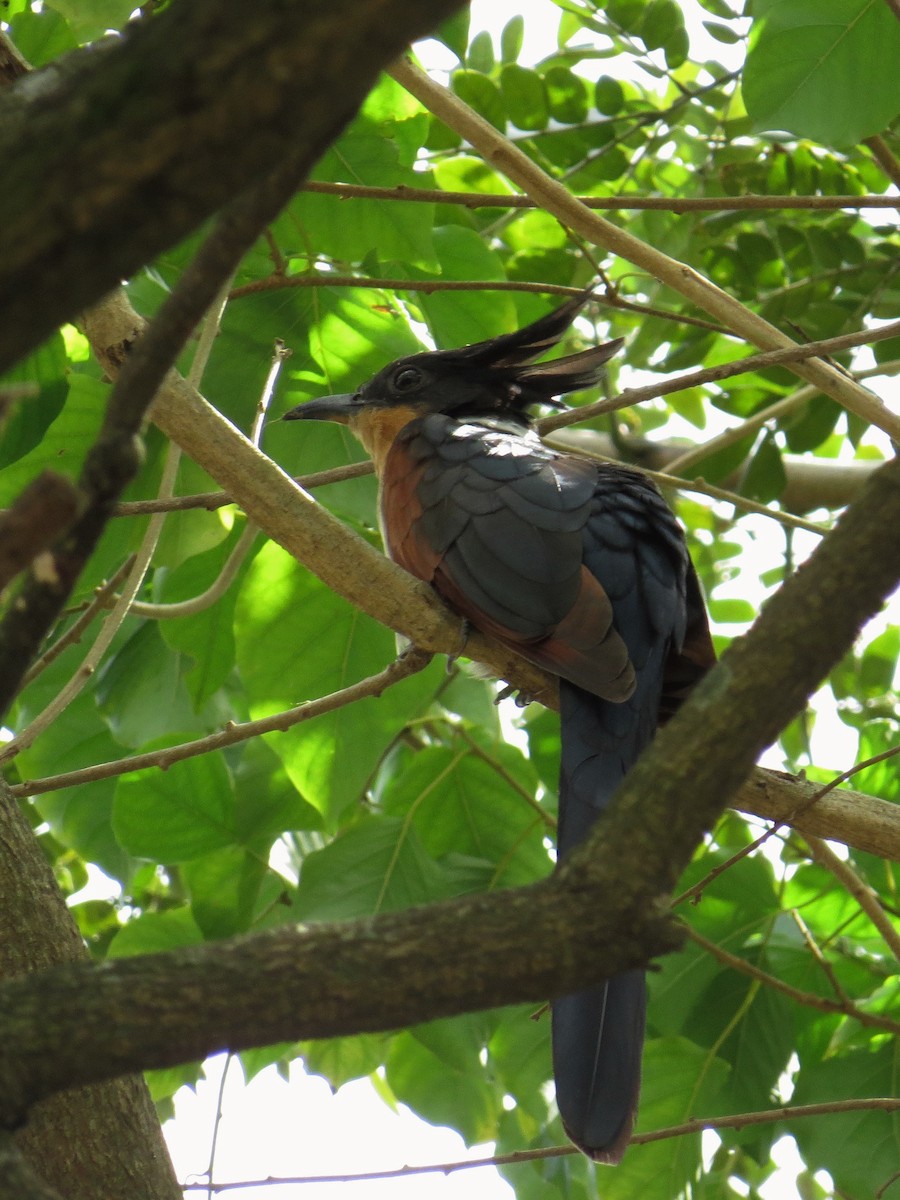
{"type": "Point", "coordinates": [598, 1034]}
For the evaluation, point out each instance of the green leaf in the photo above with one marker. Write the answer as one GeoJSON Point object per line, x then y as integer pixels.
{"type": "Point", "coordinates": [859, 1150]}
{"type": "Point", "coordinates": [525, 97]}
{"type": "Point", "coordinates": [810, 49]}
{"type": "Point", "coordinates": [90, 19]}
{"type": "Point", "coordinates": [141, 692]}
{"type": "Point", "coordinates": [155, 933]}
{"type": "Point", "coordinates": [377, 154]}
{"type": "Point", "coordinates": [511, 38]}
{"type": "Point", "coordinates": [67, 437]}
{"type": "Point", "coordinates": [460, 803]}
{"type": "Point", "coordinates": [765, 479]}
{"type": "Point", "coordinates": [377, 866]}
{"type": "Point", "coordinates": [297, 641]}
{"type": "Point", "coordinates": [609, 97]}
{"type": "Point", "coordinates": [24, 427]}
{"type": "Point", "coordinates": [341, 1059]}
{"type": "Point", "coordinates": [223, 888]}
{"type": "Point", "coordinates": [444, 1093]}
{"type": "Point", "coordinates": [454, 33]}
{"type": "Point", "coordinates": [482, 94]}
{"type": "Point", "coordinates": [567, 95]}
{"type": "Point", "coordinates": [459, 318]}
{"type": "Point", "coordinates": [480, 56]}
{"type": "Point", "coordinates": [175, 815]}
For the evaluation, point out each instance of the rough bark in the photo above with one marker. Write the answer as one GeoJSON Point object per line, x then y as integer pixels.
{"type": "Point", "coordinates": [118, 151]}
{"type": "Point", "coordinates": [101, 1142]}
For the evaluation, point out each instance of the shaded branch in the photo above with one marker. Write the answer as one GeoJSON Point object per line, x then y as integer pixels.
{"type": "Point", "coordinates": [171, 120]}
{"type": "Point", "coordinates": [70, 1138]}
{"type": "Point", "coordinates": [35, 519]}
{"type": "Point", "coordinates": [115, 456]}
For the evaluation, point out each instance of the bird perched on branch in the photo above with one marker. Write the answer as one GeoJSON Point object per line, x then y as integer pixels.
{"type": "Point", "coordinates": [582, 568]}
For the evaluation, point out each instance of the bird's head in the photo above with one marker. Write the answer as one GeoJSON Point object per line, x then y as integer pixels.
{"type": "Point", "coordinates": [493, 378]}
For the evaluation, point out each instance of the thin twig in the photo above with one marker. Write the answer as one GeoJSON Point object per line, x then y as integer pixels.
{"type": "Point", "coordinates": [784, 1113]}
{"type": "Point", "coordinates": [213, 500]}
{"type": "Point", "coordinates": [73, 633]}
{"type": "Point", "coordinates": [229, 571]}
{"type": "Point", "coordinates": [865, 896]}
{"type": "Point", "coordinates": [881, 151]}
{"type": "Point", "coordinates": [754, 362]}
{"type": "Point", "coordinates": [816, 951]}
{"type": "Point", "coordinates": [806, 998]}
{"type": "Point", "coordinates": [408, 664]}
{"type": "Point", "coordinates": [320, 279]}
{"type": "Point", "coordinates": [347, 191]}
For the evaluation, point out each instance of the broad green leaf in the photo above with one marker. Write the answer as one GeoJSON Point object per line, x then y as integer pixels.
{"type": "Point", "coordinates": [461, 803]}
{"type": "Point", "coordinates": [141, 691]}
{"type": "Point", "coordinates": [567, 95]}
{"type": "Point", "coordinates": [480, 55]}
{"type": "Point", "coordinates": [297, 641]}
{"type": "Point", "coordinates": [223, 887]}
{"type": "Point", "coordinates": [810, 49]}
{"type": "Point", "coordinates": [525, 97]}
{"type": "Point", "coordinates": [155, 933]}
{"type": "Point", "coordinates": [341, 1059]}
{"type": "Point", "coordinates": [66, 441]}
{"type": "Point", "coordinates": [482, 94]}
{"type": "Point", "coordinates": [511, 38]}
{"type": "Point", "coordinates": [24, 427]}
{"type": "Point", "coordinates": [460, 1096]}
{"type": "Point", "coordinates": [377, 866]}
{"type": "Point", "coordinates": [459, 318]}
{"type": "Point", "coordinates": [608, 95]}
{"type": "Point", "coordinates": [177, 814]}
{"type": "Point", "coordinates": [90, 19]}
{"type": "Point", "coordinates": [858, 1149]}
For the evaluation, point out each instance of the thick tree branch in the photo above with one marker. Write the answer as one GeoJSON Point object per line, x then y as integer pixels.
{"type": "Point", "coordinates": [94, 1143]}
{"type": "Point", "coordinates": [116, 454]}
{"type": "Point", "coordinates": [399, 968]}
{"type": "Point", "coordinates": [111, 155]}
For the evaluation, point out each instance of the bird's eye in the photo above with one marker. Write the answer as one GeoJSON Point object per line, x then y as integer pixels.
{"type": "Point", "coordinates": [406, 379]}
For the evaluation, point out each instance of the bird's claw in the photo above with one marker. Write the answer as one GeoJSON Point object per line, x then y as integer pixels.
{"type": "Point", "coordinates": [464, 630]}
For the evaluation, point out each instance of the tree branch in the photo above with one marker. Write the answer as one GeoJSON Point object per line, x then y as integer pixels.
{"type": "Point", "coordinates": [396, 969]}
{"type": "Point", "coordinates": [786, 1113]}
{"type": "Point", "coordinates": [557, 200]}
{"type": "Point", "coordinates": [171, 120]}
{"type": "Point", "coordinates": [352, 568]}
{"type": "Point", "coordinates": [349, 191]}
{"type": "Point", "coordinates": [95, 1143]}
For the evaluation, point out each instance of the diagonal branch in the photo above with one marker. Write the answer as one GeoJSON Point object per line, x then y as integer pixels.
{"type": "Point", "coordinates": [557, 200]}
{"type": "Point", "coordinates": [364, 577]}
{"type": "Point", "coordinates": [597, 915]}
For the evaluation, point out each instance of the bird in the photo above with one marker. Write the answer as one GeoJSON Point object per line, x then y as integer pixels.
{"type": "Point", "coordinates": [578, 565]}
